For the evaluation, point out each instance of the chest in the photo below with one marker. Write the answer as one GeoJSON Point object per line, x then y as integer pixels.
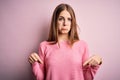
{"type": "Point", "coordinates": [64, 57]}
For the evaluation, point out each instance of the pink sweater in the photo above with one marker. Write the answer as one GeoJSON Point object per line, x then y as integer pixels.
{"type": "Point", "coordinates": [64, 62]}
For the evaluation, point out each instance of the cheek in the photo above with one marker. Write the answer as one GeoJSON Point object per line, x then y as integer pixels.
{"type": "Point", "coordinates": [69, 26]}
{"type": "Point", "coordinates": [59, 24]}
{"type": "Point", "coordinates": [69, 23]}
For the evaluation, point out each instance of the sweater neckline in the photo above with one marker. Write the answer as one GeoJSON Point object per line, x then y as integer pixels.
{"type": "Point", "coordinates": [64, 41]}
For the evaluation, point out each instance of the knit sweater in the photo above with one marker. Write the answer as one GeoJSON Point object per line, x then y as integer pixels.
{"type": "Point", "coordinates": [62, 62]}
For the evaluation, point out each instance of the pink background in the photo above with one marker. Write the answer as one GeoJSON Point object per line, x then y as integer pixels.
{"type": "Point", "coordinates": [24, 24]}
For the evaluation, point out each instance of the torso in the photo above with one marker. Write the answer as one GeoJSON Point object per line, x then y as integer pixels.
{"type": "Point", "coordinates": [64, 62]}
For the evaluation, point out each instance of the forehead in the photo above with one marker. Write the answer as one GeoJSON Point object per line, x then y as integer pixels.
{"type": "Point", "coordinates": [65, 13]}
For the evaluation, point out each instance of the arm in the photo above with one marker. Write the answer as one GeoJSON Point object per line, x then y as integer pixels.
{"type": "Point", "coordinates": [88, 70]}
{"type": "Point", "coordinates": [38, 68]}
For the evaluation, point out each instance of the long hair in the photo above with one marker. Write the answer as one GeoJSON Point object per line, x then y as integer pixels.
{"type": "Point", "coordinates": [53, 33]}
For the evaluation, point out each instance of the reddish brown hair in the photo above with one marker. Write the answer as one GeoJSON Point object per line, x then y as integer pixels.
{"type": "Point", "coordinates": [53, 34]}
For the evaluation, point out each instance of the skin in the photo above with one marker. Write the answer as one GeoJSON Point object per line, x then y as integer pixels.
{"type": "Point", "coordinates": [64, 26]}
{"type": "Point", "coordinates": [64, 23]}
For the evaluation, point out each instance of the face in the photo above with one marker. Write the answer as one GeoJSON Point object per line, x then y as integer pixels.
{"type": "Point", "coordinates": [64, 22]}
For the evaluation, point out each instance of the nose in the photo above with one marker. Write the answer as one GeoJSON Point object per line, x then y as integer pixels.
{"type": "Point", "coordinates": [65, 22]}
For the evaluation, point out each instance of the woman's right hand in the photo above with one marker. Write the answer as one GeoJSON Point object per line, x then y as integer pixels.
{"type": "Point", "coordinates": [34, 57]}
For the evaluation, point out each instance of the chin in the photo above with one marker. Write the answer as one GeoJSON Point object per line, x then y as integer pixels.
{"type": "Point", "coordinates": [65, 32]}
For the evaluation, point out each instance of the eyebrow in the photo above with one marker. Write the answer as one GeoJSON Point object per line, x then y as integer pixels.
{"type": "Point", "coordinates": [63, 17]}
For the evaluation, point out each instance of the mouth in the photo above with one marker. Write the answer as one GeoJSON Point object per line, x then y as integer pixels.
{"type": "Point", "coordinates": [63, 29]}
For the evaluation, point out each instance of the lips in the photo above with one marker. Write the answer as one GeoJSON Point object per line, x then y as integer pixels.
{"type": "Point", "coordinates": [63, 29]}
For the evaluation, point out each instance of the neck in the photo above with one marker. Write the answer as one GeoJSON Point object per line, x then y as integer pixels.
{"type": "Point", "coordinates": [62, 37]}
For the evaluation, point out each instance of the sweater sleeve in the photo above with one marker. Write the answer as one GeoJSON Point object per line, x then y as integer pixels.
{"type": "Point", "coordinates": [38, 68]}
{"type": "Point", "coordinates": [88, 71]}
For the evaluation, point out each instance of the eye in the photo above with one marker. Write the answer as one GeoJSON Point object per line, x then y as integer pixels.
{"type": "Point", "coordinates": [69, 19]}
{"type": "Point", "coordinates": [60, 18]}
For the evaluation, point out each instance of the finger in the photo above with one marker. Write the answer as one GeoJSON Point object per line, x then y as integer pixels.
{"type": "Point", "coordinates": [40, 61]}
{"type": "Point", "coordinates": [31, 60]}
{"type": "Point", "coordinates": [34, 57]}
{"type": "Point", "coordinates": [87, 62]}
{"type": "Point", "coordinates": [93, 63]}
{"type": "Point", "coordinates": [38, 58]}
{"type": "Point", "coordinates": [98, 59]}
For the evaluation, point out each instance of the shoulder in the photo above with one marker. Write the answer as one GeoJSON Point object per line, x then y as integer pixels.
{"type": "Point", "coordinates": [44, 43]}
{"type": "Point", "coordinates": [45, 46]}
{"type": "Point", "coordinates": [81, 42]}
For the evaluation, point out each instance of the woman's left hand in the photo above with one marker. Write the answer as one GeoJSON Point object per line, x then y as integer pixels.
{"type": "Point", "coordinates": [93, 61]}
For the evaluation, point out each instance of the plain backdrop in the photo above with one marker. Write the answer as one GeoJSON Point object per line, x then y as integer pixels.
{"type": "Point", "coordinates": [25, 23]}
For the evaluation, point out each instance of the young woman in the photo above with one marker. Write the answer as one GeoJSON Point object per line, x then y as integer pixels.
{"type": "Point", "coordinates": [64, 56]}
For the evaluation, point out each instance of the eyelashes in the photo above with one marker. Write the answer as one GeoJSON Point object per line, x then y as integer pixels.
{"type": "Point", "coordinates": [69, 19]}
{"type": "Point", "coordinates": [62, 19]}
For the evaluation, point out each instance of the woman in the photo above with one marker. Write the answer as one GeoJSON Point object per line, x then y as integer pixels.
{"type": "Point", "coordinates": [64, 56]}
